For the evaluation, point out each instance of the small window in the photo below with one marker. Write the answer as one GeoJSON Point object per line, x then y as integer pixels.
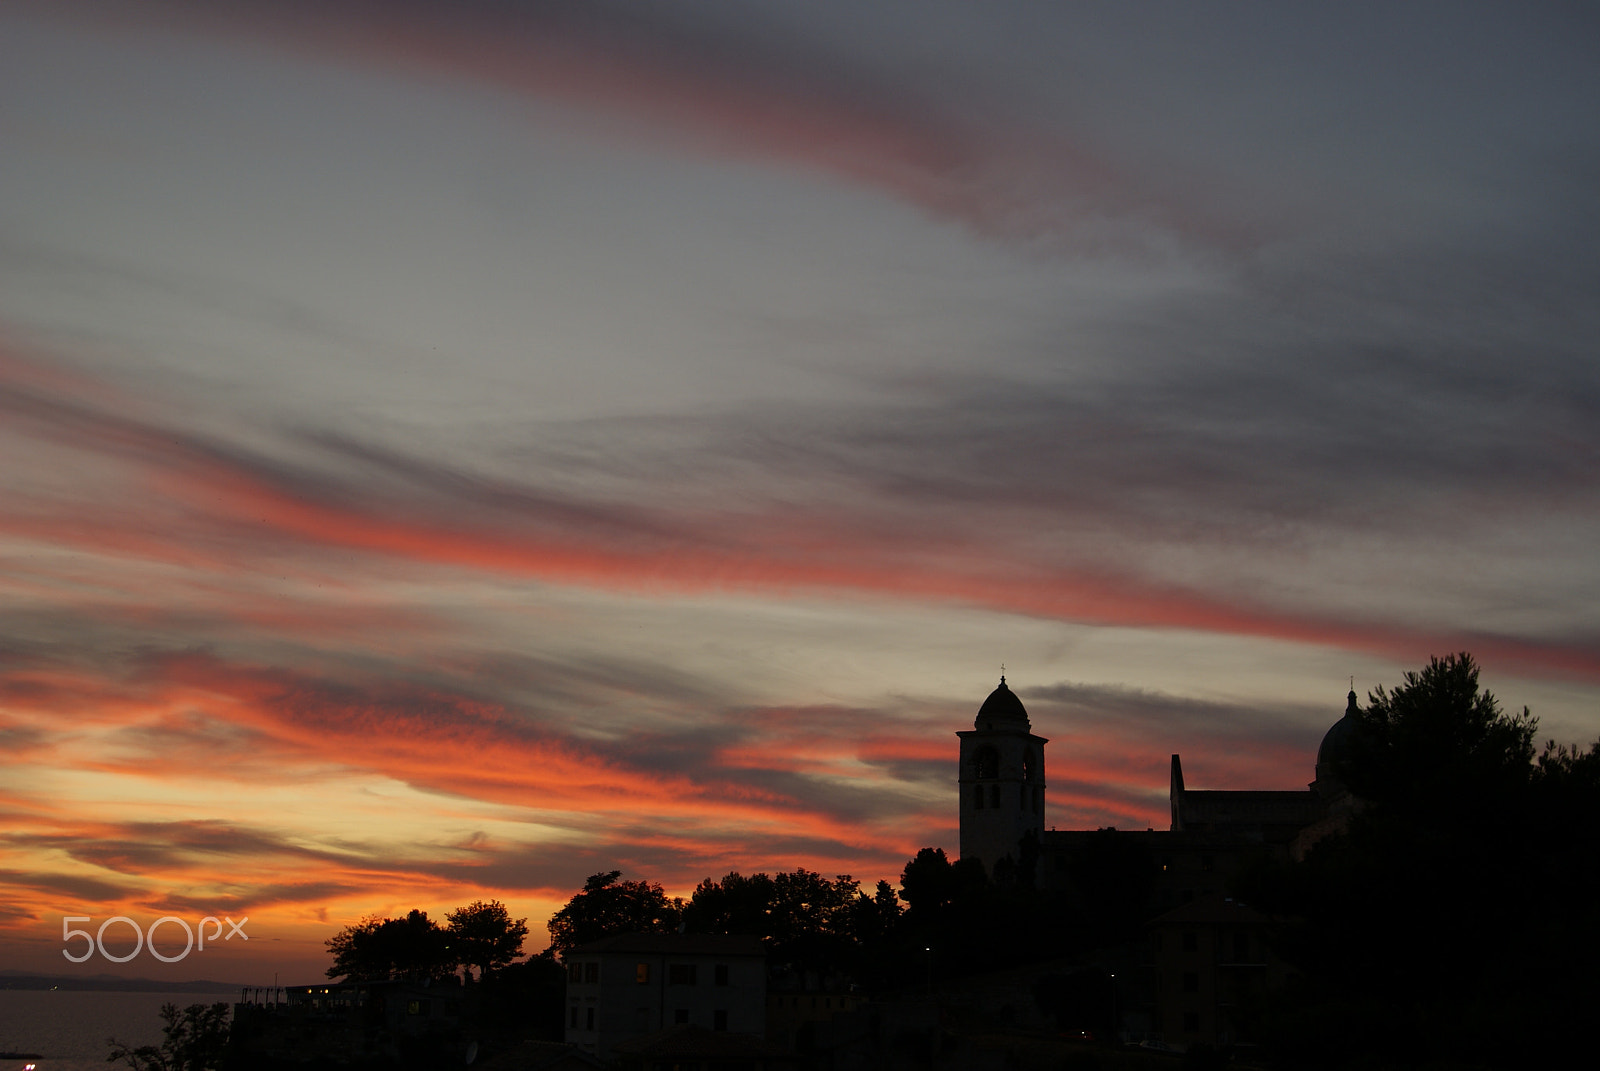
{"type": "Point", "coordinates": [681, 974]}
{"type": "Point", "coordinates": [575, 974]}
{"type": "Point", "coordinates": [1191, 1022]}
{"type": "Point", "coordinates": [574, 1022]}
{"type": "Point", "coordinates": [1208, 863]}
{"type": "Point", "coordinates": [680, 1017]}
{"type": "Point", "coordinates": [719, 1019]}
{"type": "Point", "coordinates": [641, 973]}
{"type": "Point", "coordinates": [722, 974]}
{"type": "Point", "coordinates": [588, 1018]}
{"type": "Point", "coordinates": [591, 972]}
{"type": "Point", "coordinates": [1190, 942]}
{"type": "Point", "coordinates": [994, 795]}
{"type": "Point", "coordinates": [1191, 982]}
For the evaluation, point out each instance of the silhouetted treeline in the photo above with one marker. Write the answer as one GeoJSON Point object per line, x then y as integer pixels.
{"type": "Point", "coordinates": [1454, 922]}
{"type": "Point", "coordinates": [482, 934]}
{"type": "Point", "coordinates": [948, 918]}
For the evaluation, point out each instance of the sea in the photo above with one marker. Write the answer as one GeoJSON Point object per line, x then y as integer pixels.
{"type": "Point", "coordinates": [68, 1029]}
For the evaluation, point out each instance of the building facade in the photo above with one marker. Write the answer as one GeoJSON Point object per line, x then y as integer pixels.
{"type": "Point", "coordinates": [630, 986]}
{"type": "Point", "coordinates": [1212, 964]}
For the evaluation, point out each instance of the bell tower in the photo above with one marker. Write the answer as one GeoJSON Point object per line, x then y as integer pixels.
{"type": "Point", "coordinates": [1002, 782]}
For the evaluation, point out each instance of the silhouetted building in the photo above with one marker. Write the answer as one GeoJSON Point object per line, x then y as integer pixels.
{"type": "Point", "coordinates": [1206, 956]}
{"type": "Point", "coordinates": [1212, 833]}
{"type": "Point", "coordinates": [808, 1019]}
{"type": "Point", "coordinates": [349, 1022]}
{"type": "Point", "coordinates": [1002, 783]}
{"type": "Point", "coordinates": [694, 1048]}
{"type": "Point", "coordinates": [1211, 963]}
{"type": "Point", "coordinates": [634, 986]}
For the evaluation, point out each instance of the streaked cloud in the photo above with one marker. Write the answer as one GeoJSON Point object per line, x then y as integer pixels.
{"type": "Point", "coordinates": [453, 450]}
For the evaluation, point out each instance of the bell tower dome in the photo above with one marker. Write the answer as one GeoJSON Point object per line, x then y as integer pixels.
{"type": "Point", "coordinates": [1002, 783]}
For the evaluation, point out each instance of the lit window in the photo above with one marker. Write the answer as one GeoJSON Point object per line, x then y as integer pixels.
{"type": "Point", "coordinates": [641, 973]}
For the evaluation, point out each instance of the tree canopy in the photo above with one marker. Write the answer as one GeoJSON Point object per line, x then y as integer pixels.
{"type": "Point", "coordinates": [484, 935]}
{"type": "Point", "coordinates": [378, 949]}
{"type": "Point", "coordinates": [807, 921]}
{"type": "Point", "coordinates": [607, 905]}
{"type": "Point", "coordinates": [1438, 740]}
{"type": "Point", "coordinates": [1439, 926]}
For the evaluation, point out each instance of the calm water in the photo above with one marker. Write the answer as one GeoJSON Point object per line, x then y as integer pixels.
{"type": "Point", "coordinates": [69, 1029]}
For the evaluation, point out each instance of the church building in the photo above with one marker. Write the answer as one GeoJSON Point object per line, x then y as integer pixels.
{"type": "Point", "coordinates": [1212, 833]}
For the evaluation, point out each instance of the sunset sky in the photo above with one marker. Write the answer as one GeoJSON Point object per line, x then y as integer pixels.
{"type": "Point", "coordinates": [448, 450]}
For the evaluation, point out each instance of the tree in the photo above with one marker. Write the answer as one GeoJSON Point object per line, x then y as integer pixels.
{"type": "Point", "coordinates": [931, 885]}
{"type": "Point", "coordinates": [1438, 744]}
{"type": "Point", "coordinates": [736, 904]}
{"type": "Point", "coordinates": [485, 935]}
{"type": "Point", "coordinates": [378, 949]}
{"type": "Point", "coordinates": [607, 906]}
{"type": "Point", "coordinates": [1439, 928]}
{"type": "Point", "coordinates": [808, 922]}
{"type": "Point", "coordinates": [193, 1039]}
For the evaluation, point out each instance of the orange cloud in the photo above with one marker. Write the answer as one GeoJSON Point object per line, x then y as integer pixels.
{"type": "Point", "coordinates": [221, 508]}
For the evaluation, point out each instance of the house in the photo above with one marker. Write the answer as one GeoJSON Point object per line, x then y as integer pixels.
{"type": "Point", "coordinates": [630, 986]}
{"type": "Point", "coordinates": [1211, 960]}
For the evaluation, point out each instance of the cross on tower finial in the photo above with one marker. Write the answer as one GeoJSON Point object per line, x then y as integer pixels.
{"type": "Point", "coordinates": [1002, 672]}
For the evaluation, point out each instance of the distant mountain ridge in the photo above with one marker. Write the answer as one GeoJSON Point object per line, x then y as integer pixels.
{"type": "Point", "coordinates": [110, 983]}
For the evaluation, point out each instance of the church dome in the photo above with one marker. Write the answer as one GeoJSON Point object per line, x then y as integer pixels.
{"type": "Point", "coordinates": [1002, 710]}
{"type": "Point", "coordinates": [1336, 742]}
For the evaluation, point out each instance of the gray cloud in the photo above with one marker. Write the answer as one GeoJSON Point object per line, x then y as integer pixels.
{"type": "Point", "coordinates": [1139, 713]}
